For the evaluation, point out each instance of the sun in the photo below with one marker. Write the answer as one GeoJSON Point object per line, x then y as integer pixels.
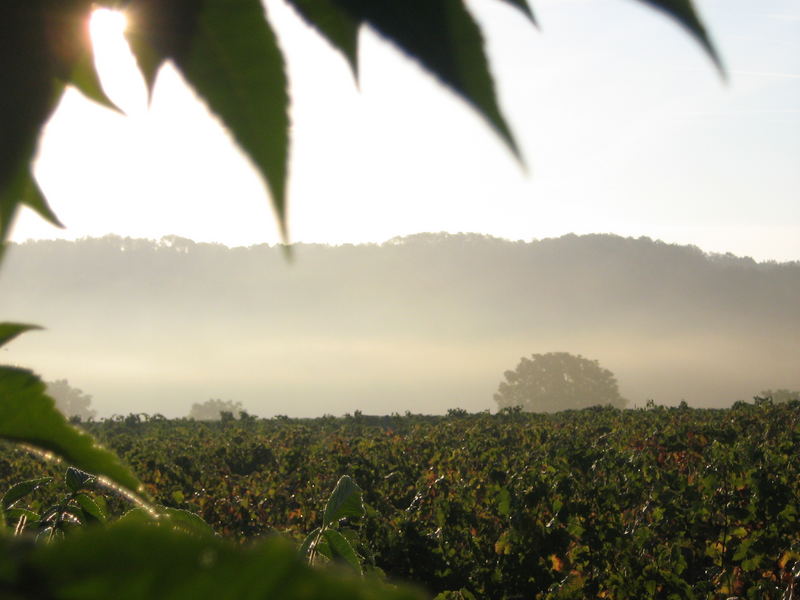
{"type": "Point", "coordinates": [107, 27]}
{"type": "Point", "coordinates": [115, 64]}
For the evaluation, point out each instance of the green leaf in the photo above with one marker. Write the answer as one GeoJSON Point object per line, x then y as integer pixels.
{"type": "Point", "coordinates": [76, 480]}
{"type": "Point", "coordinates": [8, 331]}
{"type": "Point", "coordinates": [22, 489]}
{"type": "Point", "coordinates": [444, 38]}
{"type": "Point", "coordinates": [129, 562]}
{"type": "Point", "coordinates": [683, 12]}
{"type": "Point", "coordinates": [308, 543]}
{"type": "Point", "coordinates": [341, 550]}
{"type": "Point", "coordinates": [345, 501]}
{"type": "Point", "coordinates": [70, 509]}
{"type": "Point", "coordinates": [26, 79]}
{"type": "Point", "coordinates": [85, 78]}
{"type": "Point", "coordinates": [159, 30]}
{"type": "Point", "coordinates": [186, 521]}
{"type": "Point", "coordinates": [33, 198]}
{"type": "Point", "coordinates": [15, 514]}
{"type": "Point", "coordinates": [29, 416]}
{"type": "Point", "coordinates": [524, 7]}
{"type": "Point", "coordinates": [22, 189]}
{"type": "Point", "coordinates": [91, 508]}
{"type": "Point", "coordinates": [504, 502]}
{"type": "Point", "coordinates": [334, 24]}
{"type": "Point", "coordinates": [235, 65]}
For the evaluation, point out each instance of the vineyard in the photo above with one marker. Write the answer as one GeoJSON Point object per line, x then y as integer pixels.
{"type": "Point", "coordinates": [601, 503]}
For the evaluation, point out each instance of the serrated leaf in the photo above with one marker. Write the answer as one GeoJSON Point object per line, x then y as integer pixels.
{"type": "Point", "coordinates": [683, 11]}
{"type": "Point", "coordinates": [91, 508]}
{"type": "Point", "coordinates": [158, 30]}
{"type": "Point", "coordinates": [334, 24]}
{"type": "Point", "coordinates": [186, 521]}
{"type": "Point", "coordinates": [22, 489]}
{"type": "Point", "coordinates": [341, 551]}
{"type": "Point", "coordinates": [29, 415]}
{"type": "Point", "coordinates": [85, 78]}
{"type": "Point", "coordinates": [76, 480]}
{"type": "Point", "coordinates": [138, 516]}
{"type": "Point", "coordinates": [8, 331]}
{"type": "Point", "coordinates": [444, 38]}
{"type": "Point", "coordinates": [21, 189]}
{"type": "Point", "coordinates": [345, 501]}
{"type": "Point", "coordinates": [524, 7]}
{"type": "Point", "coordinates": [34, 199]}
{"type": "Point", "coordinates": [235, 65]}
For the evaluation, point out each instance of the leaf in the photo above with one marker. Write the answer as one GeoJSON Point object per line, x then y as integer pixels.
{"type": "Point", "coordinates": [28, 415]}
{"type": "Point", "coordinates": [91, 508]}
{"type": "Point", "coordinates": [186, 521]}
{"type": "Point", "coordinates": [127, 561]}
{"type": "Point", "coordinates": [70, 45]}
{"type": "Point", "coordinates": [21, 189]}
{"type": "Point", "coordinates": [85, 78]}
{"type": "Point", "coordinates": [308, 543]}
{"type": "Point", "coordinates": [28, 97]}
{"type": "Point", "coordinates": [77, 480]}
{"type": "Point", "coordinates": [345, 501]}
{"type": "Point", "coordinates": [524, 7]}
{"type": "Point", "coordinates": [683, 12]}
{"type": "Point", "coordinates": [15, 514]}
{"type": "Point", "coordinates": [335, 24]}
{"type": "Point", "coordinates": [8, 331]}
{"type": "Point", "coordinates": [444, 38]}
{"type": "Point", "coordinates": [22, 489]}
{"type": "Point", "coordinates": [235, 65]}
{"type": "Point", "coordinates": [159, 30]}
{"type": "Point", "coordinates": [70, 509]}
{"type": "Point", "coordinates": [341, 550]}
{"type": "Point", "coordinates": [504, 502]}
{"type": "Point", "coordinates": [33, 198]}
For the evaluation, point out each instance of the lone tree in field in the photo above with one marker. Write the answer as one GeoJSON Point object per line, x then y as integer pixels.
{"type": "Point", "coordinates": [211, 410]}
{"type": "Point", "coordinates": [558, 381]}
{"type": "Point", "coordinates": [781, 395]}
{"type": "Point", "coordinates": [72, 402]}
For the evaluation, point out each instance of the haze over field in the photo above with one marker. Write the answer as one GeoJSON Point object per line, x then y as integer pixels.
{"type": "Point", "coordinates": [423, 323]}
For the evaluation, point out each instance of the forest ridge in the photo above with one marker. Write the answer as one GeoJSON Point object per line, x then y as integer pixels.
{"type": "Point", "coordinates": [421, 323]}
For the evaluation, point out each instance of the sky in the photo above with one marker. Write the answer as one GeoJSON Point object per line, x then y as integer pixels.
{"type": "Point", "coordinates": [624, 123]}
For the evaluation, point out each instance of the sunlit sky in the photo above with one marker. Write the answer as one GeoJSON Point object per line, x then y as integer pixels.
{"type": "Point", "coordinates": [624, 123]}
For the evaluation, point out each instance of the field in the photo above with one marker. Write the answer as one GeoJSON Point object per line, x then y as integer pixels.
{"type": "Point", "coordinates": [600, 503]}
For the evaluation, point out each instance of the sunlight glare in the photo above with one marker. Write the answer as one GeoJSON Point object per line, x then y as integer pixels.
{"type": "Point", "coordinates": [115, 64]}
{"type": "Point", "coordinates": [107, 27]}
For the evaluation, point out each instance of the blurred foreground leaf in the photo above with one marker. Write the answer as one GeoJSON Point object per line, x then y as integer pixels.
{"type": "Point", "coordinates": [131, 561]}
{"type": "Point", "coordinates": [683, 11]}
{"type": "Point", "coordinates": [29, 415]}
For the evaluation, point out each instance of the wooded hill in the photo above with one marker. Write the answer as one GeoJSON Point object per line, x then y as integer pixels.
{"type": "Point", "coordinates": [422, 323]}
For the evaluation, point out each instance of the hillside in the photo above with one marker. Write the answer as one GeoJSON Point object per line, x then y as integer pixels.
{"type": "Point", "coordinates": [422, 323]}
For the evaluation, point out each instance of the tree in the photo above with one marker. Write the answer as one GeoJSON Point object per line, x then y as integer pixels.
{"type": "Point", "coordinates": [71, 401]}
{"type": "Point", "coordinates": [780, 395]}
{"type": "Point", "coordinates": [212, 410]}
{"type": "Point", "coordinates": [558, 381]}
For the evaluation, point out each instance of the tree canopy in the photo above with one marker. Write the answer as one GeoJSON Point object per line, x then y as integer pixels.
{"type": "Point", "coordinates": [558, 381]}
{"type": "Point", "coordinates": [72, 402]}
{"type": "Point", "coordinates": [212, 410]}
